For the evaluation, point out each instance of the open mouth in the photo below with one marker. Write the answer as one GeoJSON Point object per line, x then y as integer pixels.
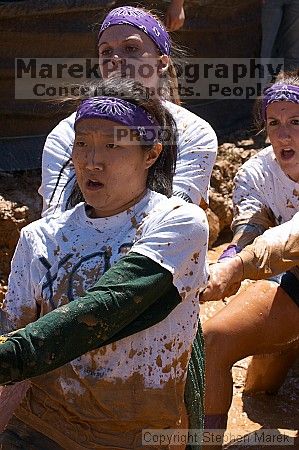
{"type": "Point", "coordinates": [287, 153]}
{"type": "Point", "coordinates": [94, 185]}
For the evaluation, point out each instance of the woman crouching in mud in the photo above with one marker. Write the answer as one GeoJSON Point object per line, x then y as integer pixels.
{"type": "Point", "coordinates": [264, 318]}
{"type": "Point", "coordinates": [85, 390]}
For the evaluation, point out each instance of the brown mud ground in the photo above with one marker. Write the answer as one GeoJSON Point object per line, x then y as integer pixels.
{"type": "Point", "coordinates": [20, 204]}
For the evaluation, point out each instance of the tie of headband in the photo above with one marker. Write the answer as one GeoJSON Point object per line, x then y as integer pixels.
{"type": "Point", "coordinates": [122, 112]}
{"type": "Point", "coordinates": [128, 15]}
{"type": "Point", "coordinates": [279, 93]}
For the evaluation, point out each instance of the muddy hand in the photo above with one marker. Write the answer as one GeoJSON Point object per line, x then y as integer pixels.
{"type": "Point", "coordinates": [225, 280]}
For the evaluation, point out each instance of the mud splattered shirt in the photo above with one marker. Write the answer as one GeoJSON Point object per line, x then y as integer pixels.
{"type": "Point", "coordinates": [197, 148]}
{"type": "Point", "coordinates": [137, 382]}
{"type": "Point", "coordinates": [264, 195]}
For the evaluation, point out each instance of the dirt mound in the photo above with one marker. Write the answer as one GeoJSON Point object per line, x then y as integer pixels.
{"type": "Point", "coordinates": [20, 204]}
{"type": "Point", "coordinates": [232, 153]}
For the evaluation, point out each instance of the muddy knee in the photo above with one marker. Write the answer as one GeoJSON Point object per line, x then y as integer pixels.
{"type": "Point", "coordinates": [218, 347]}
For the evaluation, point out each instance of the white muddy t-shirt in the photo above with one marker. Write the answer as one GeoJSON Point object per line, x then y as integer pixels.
{"type": "Point", "coordinates": [137, 382]}
{"type": "Point", "coordinates": [263, 193]}
{"type": "Point", "coordinates": [197, 149]}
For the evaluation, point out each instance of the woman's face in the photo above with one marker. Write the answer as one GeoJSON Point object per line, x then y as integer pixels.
{"type": "Point", "coordinates": [111, 173]}
{"type": "Point", "coordinates": [125, 50]}
{"type": "Point", "coordinates": [283, 131]}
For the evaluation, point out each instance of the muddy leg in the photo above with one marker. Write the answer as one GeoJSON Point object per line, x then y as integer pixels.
{"type": "Point", "coordinates": [266, 373]}
{"type": "Point", "coordinates": [261, 319]}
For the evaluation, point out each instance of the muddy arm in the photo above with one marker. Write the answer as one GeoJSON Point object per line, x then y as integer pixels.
{"type": "Point", "coordinates": [109, 311]}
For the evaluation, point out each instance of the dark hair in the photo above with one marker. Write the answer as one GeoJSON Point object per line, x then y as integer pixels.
{"type": "Point", "coordinates": [160, 174]}
{"type": "Point", "coordinates": [168, 80]}
{"type": "Point", "coordinates": [289, 77]}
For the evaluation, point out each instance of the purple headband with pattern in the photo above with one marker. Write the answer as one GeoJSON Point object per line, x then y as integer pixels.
{"type": "Point", "coordinates": [136, 17]}
{"type": "Point", "coordinates": [122, 112]}
{"type": "Point", "coordinates": [279, 93]}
